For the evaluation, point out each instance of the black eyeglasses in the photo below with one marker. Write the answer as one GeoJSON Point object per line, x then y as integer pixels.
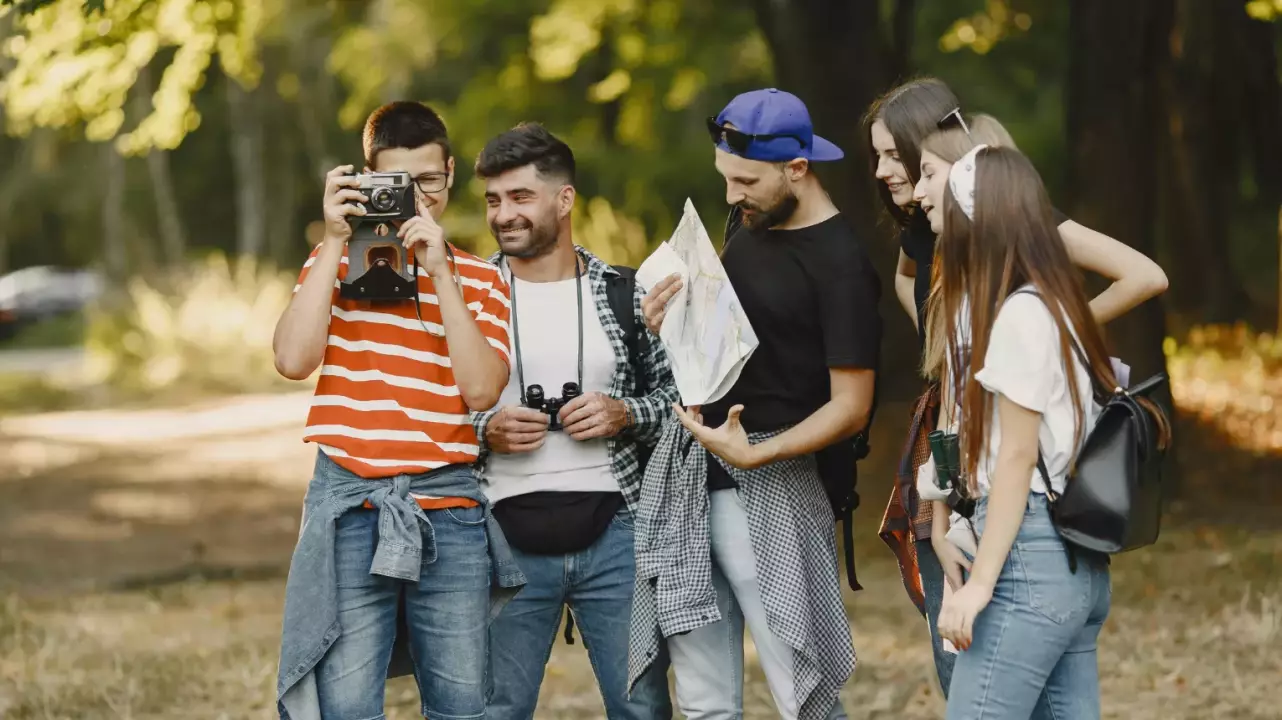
{"type": "Point", "coordinates": [432, 182]}
{"type": "Point", "coordinates": [739, 141]}
{"type": "Point", "coordinates": [953, 119]}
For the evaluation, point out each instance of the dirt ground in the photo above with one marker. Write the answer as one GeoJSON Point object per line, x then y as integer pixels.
{"type": "Point", "coordinates": [143, 555]}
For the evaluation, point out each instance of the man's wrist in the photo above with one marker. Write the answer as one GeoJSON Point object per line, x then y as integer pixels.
{"type": "Point", "coordinates": [763, 453]}
{"type": "Point", "coordinates": [629, 415]}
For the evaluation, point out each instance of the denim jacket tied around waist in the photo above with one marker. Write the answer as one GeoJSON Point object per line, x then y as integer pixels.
{"type": "Point", "coordinates": [405, 540]}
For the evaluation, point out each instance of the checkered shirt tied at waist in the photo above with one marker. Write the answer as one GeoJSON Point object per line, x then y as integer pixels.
{"type": "Point", "coordinates": [790, 523]}
{"type": "Point", "coordinates": [648, 412]}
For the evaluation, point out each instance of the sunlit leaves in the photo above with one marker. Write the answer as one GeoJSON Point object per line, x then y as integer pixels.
{"type": "Point", "coordinates": [686, 83]}
{"type": "Point", "coordinates": [1267, 10]}
{"type": "Point", "coordinates": [377, 59]}
{"type": "Point", "coordinates": [570, 30]}
{"type": "Point", "coordinates": [611, 88]}
{"type": "Point", "coordinates": [981, 31]}
{"type": "Point", "coordinates": [73, 68]}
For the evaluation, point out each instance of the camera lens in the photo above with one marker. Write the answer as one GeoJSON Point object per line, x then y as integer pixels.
{"type": "Point", "coordinates": [382, 199]}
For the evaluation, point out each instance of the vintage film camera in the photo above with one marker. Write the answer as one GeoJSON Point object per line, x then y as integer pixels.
{"type": "Point", "coordinates": [377, 263]}
{"type": "Point", "coordinates": [535, 400]}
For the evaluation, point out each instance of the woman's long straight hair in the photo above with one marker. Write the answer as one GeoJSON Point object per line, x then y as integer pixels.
{"type": "Point", "coordinates": [912, 112]}
{"type": "Point", "coordinates": [1012, 242]}
{"type": "Point", "coordinates": [950, 145]}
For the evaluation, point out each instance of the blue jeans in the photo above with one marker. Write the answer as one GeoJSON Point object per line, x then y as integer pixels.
{"type": "Point", "coordinates": [597, 585]}
{"type": "Point", "coordinates": [1033, 653]}
{"type": "Point", "coordinates": [709, 660]}
{"type": "Point", "coordinates": [446, 611]}
{"type": "Point", "coordinates": [932, 585]}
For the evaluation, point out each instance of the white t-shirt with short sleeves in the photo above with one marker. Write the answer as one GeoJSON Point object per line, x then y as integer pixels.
{"type": "Point", "coordinates": [1023, 364]}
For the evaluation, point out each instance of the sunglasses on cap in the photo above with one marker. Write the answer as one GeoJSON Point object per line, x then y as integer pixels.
{"type": "Point", "coordinates": [953, 119]}
{"type": "Point", "coordinates": [739, 141]}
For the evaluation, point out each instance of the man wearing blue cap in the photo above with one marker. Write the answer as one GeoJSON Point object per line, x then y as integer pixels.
{"type": "Point", "coordinates": [737, 528]}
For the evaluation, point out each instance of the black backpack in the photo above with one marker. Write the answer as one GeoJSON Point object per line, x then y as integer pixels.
{"type": "Point", "coordinates": [619, 292]}
{"type": "Point", "coordinates": [837, 463]}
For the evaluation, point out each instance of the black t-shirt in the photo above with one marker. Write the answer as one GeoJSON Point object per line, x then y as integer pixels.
{"type": "Point", "coordinates": [811, 295]}
{"type": "Point", "coordinates": [918, 243]}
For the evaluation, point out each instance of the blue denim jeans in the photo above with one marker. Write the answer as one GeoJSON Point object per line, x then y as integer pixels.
{"type": "Point", "coordinates": [709, 660]}
{"type": "Point", "coordinates": [932, 585]}
{"type": "Point", "coordinates": [446, 612]}
{"type": "Point", "coordinates": [597, 584]}
{"type": "Point", "coordinates": [1033, 653]}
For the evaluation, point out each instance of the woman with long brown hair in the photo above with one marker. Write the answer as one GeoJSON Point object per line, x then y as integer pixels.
{"type": "Point", "coordinates": [899, 125]}
{"type": "Point", "coordinates": [1013, 320]}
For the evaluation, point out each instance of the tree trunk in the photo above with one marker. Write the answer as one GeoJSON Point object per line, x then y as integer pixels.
{"type": "Point", "coordinates": [902, 26]}
{"type": "Point", "coordinates": [1205, 85]}
{"type": "Point", "coordinates": [830, 54]}
{"type": "Point", "coordinates": [1119, 55]}
{"type": "Point", "coordinates": [833, 55]}
{"type": "Point", "coordinates": [115, 254]}
{"type": "Point", "coordinates": [173, 236]}
{"type": "Point", "coordinates": [309, 51]}
{"type": "Point", "coordinates": [247, 163]}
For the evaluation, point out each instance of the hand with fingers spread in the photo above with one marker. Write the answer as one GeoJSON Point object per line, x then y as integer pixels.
{"type": "Point", "coordinates": [594, 415]}
{"type": "Point", "coordinates": [425, 237]}
{"type": "Point", "coordinates": [339, 203]}
{"type": "Point", "coordinates": [515, 429]}
{"type": "Point", "coordinates": [654, 306]}
{"type": "Point", "coordinates": [728, 442]}
{"type": "Point", "coordinates": [957, 616]}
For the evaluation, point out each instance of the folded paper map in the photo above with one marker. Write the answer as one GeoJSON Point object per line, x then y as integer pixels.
{"type": "Point", "coordinates": [705, 331]}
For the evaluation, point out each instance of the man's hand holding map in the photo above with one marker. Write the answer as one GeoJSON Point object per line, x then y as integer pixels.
{"type": "Point", "coordinates": [705, 331]}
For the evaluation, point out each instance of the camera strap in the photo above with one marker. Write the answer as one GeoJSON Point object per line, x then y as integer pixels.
{"type": "Point", "coordinates": [418, 303]}
{"type": "Point", "coordinates": [516, 331]}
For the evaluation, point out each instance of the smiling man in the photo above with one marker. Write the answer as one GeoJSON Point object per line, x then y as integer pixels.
{"type": "Point", "coordinates": [741, 530]}
{"type": "Point", "coordinates": [566, 481]}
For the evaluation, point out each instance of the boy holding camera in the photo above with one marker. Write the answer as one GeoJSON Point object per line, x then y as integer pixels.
{"type": "Point", "coordinates": [564, 454]}
{"type": "Point", "coordinates": [394, 520]}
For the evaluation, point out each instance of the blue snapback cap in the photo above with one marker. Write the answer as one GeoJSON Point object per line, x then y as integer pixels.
{"type": "Point", "coordinates": [777, 113]}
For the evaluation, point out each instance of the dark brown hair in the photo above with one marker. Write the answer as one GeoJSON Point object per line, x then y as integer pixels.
{"type": "Point", "coordinates": [911, 112]}
{"type": "Point", "coordinates": [403, 124]}
{"type": "Point", "coordinates": [527, 144]}
{"type": "Point", "coordinates": [1012, 242]}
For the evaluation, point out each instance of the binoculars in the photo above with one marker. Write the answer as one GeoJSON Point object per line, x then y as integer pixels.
{"type": "Point", "coordinates": [946, 452]}
{"type": "Point", "coordinates": [535, 399]}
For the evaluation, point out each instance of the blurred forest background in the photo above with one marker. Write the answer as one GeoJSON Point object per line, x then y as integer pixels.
{"type": "Point", "coordinates": [163, 165]}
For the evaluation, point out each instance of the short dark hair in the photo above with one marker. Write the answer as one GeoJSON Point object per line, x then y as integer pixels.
{"type": "Point", "coordinates": [403, 124]}
{"type": "Point", "coordinates": [527, 144]}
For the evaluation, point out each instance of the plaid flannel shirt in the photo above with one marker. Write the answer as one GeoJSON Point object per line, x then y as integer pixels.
{"type": "Point", "coordinates": [648, 412]}
{"type": "Point", "coordinates": [790, 525]}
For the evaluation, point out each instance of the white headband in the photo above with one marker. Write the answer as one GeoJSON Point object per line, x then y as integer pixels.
{"type": "Point", "coordinates": [961, 180]}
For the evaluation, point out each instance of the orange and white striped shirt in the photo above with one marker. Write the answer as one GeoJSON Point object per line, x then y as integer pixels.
{"type": "Point", "coordinates": [386, 402]}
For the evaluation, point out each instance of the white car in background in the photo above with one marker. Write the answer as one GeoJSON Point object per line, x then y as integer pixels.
{"type": "Point", "coordinates": [40, 292]}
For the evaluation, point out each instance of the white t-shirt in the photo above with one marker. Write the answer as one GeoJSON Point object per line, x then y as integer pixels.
{"type": "Point", "coordinates": [546, 315]}
{"type": "Point", "coordinates": [1023, 364]}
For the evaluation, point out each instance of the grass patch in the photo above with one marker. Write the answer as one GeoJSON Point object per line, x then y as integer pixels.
{"type": "Point", "coordinates": [60, 331]}
{"type": "Point", "coordinates": [20, 392]}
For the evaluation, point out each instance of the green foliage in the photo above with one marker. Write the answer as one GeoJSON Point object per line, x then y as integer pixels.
{"type": "Point", "coordinates": [1268, 10]}
{"type": "Point", "coordinates": [72, 67]}
{"type": "Point", "coordinates": [56, 332]}
{"type": "Point", "coordinates": [206, 328]}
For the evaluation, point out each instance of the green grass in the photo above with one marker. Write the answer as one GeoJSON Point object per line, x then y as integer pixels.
{"type": "Point", "coordinates": [56, 332]}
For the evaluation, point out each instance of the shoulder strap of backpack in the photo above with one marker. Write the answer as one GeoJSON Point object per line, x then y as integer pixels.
{"type": "Point", "coordinates": [620, 290]}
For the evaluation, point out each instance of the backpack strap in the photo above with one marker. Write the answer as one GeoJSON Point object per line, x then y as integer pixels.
{"type": "Point", "coordinates": [619, 292]}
